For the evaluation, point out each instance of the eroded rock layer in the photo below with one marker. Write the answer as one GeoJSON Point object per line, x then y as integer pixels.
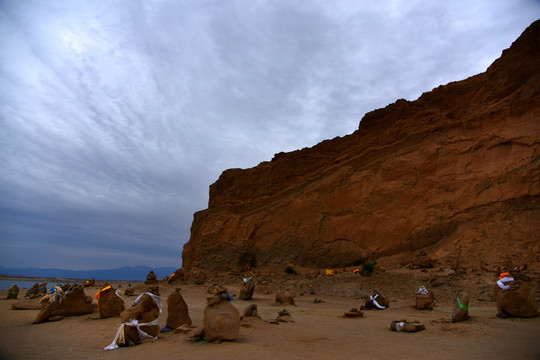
{"type": "Point", "coordinates": [454, 174]}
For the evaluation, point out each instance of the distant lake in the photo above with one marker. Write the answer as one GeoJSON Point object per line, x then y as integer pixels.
{"type": "Point", "coordinates": [6, 284]}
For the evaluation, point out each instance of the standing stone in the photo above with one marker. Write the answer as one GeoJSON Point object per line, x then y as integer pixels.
{"type": "Point", "coordinates": [145, 310]}
{"type": "Point", "coordinates": [110, 304]}
{"type": "Point", "coordinates": [13, 292]}
{"type": "Point", "coordinates": [424, 299]}
{"type": "Point", "coordinates": [33, 292]}
{"type": "Point", "coordinates": [151, 278]}
{"type": "Point", "coordinates": [177, 313]}
{"type": "Point", "coordinates": [246, 292]}
{"type": "Point", "coordinates": [516, 301]}
{"type": "Point", "coordinates": [221, 319]}
{"type": "Point", "coordinates": [461, 309]}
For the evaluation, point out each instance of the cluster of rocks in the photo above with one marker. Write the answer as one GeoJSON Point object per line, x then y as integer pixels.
{"type": "Point", "coordinates": [62, 303]}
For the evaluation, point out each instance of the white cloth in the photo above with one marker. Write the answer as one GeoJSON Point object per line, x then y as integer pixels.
{"type": "Point", "coordinates": [372, 298]}
{"type": "Point", "coordinates": [502, 282]}
{"type": "Point", "coordinates": [157, 300]}
{"type": "Point", "coordinates": [119, 337]}
{"type": "Point", "coordinates": [422, 290]}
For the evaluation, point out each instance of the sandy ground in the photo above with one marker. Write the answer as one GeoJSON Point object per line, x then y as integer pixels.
{"type": "Point", "coordinates": [319, 332]}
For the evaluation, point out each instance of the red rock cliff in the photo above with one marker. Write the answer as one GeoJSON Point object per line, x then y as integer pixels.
{"type": "Point", "coordinates": [454, 174]}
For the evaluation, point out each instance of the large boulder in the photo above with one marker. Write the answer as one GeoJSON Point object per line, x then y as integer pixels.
{"type": "Point", "coordinates": [139, 321]}
{"type": "Point", "coordinates": [221, 319]}
{"type": "Point", "coordinates": [177, 310]}
{"type": "Point", "coordinates": [60, 304]}
{"type": "Point", "coordinates": [516, 301]}
{"type": "Point", "coordinates": [145, 310]}
{"type": "Point", "coordinates": [109, 303]}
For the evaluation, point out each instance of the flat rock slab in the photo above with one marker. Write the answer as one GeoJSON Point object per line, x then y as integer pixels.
{"type": "Point", "coordinates": [26, 305]}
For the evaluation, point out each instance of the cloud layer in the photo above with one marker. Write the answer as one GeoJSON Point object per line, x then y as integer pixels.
{"type": "Point", "coordinates": [115, 117]}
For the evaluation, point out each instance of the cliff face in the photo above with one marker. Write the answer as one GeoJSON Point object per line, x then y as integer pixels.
{"type": "Point", "coordinates": [454, 176]}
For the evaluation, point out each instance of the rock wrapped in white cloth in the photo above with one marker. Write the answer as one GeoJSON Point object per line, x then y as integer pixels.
{"type": "Point", "coordinates": [502, 282]}
{"type": "Point", "coordinates": [139, 321]}
{"type": "Point", "coordinates": [372, 298]}
{"type": "Point", "coordinates": [120, 337]}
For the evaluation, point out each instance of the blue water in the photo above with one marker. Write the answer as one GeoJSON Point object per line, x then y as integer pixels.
{"type": "Point", "coordinates": [6, 284]}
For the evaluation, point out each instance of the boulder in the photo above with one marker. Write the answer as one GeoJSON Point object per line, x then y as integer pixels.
{"type": "Point", "coordinates": [284, 298]}
{"type": "Point", "coordinates": [221, 319]}
{"type": "Point", "coordinates": [246, 292]}
{"type": "Point", "coordinates": [139, 321]}
{"type": "Point", "coordinates": [109, 303]}
{"type": "Point", "coordinates": [145, 310]}
{"type": "Point", "coordinates": [461, 309]}
{"type": "Point", "coordinates": [73, 303]}
{"type": "Point", "coordinates": [517, 301]}
{"type": "Point", "coordinates": [13, 292]}
{"type": "Point", "coordinates": [177, 310]}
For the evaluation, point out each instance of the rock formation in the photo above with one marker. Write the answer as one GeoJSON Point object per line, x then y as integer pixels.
{"type": "Point", "coordinates": [516, 301]}
{"type": "Point", "coordinates": [247, 290]}
{"type": "Point", "coordinates": [461, 308]}
{"type": "Point", "coordinates": [151, 278]}
{"type": "Point", "coordinates": [177, 310]}
{"type": "Point", "coordinates": [109, 303]}
{"type": "Point", "coordinates": [58, 305]}
{"type": "Point", "coordinates": [13, 292]}
{"type": "Point", "coordinates": [454, 174]}
{"type": "Point", "coordinates": [221, 318]}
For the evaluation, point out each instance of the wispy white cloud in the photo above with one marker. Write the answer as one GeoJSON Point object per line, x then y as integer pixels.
{"type": "Point", "coordinates": [115, 117]}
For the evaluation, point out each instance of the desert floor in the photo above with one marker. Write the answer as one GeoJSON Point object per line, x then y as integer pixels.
{"type": "Point", "coordinates": [319, 331]}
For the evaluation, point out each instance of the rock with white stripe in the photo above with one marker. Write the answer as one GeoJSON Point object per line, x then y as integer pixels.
{"type": "Point", "coordinates": [516, 301]}
{"type": "Point", "coordinates": [141, 315]}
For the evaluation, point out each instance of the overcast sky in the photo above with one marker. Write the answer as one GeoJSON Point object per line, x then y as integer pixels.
{"type": "Point", "coordinates": [116, 116]}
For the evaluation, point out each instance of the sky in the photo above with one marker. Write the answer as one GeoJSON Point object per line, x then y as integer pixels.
{"type": "Point", "coordinates": [117, 116]}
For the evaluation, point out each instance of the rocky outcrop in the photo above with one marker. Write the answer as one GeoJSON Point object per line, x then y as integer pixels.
{"type": "Point", "coordinates": [454, 174]}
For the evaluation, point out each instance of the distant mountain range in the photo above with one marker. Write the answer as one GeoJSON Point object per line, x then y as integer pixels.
{"type": "Point", "coordinates": [133, 273]}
